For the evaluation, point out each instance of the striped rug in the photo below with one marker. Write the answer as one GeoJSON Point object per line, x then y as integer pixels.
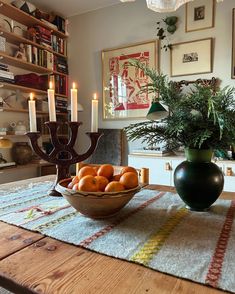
{"type": "Point", "coordinates": [154, 229]}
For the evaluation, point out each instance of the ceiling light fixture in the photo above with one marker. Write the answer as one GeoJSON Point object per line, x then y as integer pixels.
{"type": "Point", "coordinates": [164, 5]}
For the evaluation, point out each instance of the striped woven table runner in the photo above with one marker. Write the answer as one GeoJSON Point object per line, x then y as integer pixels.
{"type": "Point", "coordinates": [154, 229]}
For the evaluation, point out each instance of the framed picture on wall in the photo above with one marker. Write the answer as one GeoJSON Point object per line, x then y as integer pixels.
{"type": "Point", "coordinates": [199, 15]}
{"type": "Point", "coordinates": [233, 45]}
{"type": "Point", "coordinates": [121, 84]}
{"type": "Point", "coordinates": [190, 58]}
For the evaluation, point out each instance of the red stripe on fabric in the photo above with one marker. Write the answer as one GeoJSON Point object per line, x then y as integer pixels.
{"type": "Point", "coordinates": [216, 264]}
{"type": "Point", "coordinates": [44, 214]}
{"type": "Point", "coordinates": [89, 240]}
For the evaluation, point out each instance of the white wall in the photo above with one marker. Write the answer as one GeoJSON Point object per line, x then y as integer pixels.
{"type": "Point", "coordinates": [128, 23]}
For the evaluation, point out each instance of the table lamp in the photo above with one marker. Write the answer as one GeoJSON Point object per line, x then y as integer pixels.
{"type": "Point", "coordinates": [156, 111]}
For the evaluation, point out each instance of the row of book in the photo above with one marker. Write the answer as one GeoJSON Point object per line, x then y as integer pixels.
{"type": "Point", "coordinates": [45, 38]}
{"type": "Point", "coordinates": [59, 45]}
{"type": "Point", "coordinates": [61, 104]}
{"type": "Point", "coordinates": [60, 83]}
{"type": "Point", "coordinates": [60, 64]}
{"type": "Point", "coordinates": [39, 56]}
{"type": "Point", "coordinates": [5, 74]}
{"type": "Point", "coordinates": [46, 59]}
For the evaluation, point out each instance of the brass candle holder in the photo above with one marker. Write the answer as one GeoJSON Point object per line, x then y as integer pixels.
{"type": "Point", "coordinates": [62, 165]}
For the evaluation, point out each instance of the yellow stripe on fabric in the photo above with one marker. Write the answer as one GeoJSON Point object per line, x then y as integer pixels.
{"type": "Point", "coordinates": [56, 222]}
{"type": "Point", "coordinates": [156, 240]}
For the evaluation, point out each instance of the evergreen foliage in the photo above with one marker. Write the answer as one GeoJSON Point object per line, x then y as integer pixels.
{"type": "Point", "coordinates": [199, 119]}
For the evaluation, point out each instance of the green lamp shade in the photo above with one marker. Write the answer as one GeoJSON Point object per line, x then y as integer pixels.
{"type": "Point", "coordinates": [156, 111]}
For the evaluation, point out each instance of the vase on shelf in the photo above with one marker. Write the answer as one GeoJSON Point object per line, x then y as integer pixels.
{"type": "Point", "coordinates": [21, 153]}
{"type": "Point", "coordinates": [198, 181]}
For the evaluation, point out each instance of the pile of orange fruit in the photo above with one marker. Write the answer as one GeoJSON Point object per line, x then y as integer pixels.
{"type": "Point", "coordinates": [102, 179]}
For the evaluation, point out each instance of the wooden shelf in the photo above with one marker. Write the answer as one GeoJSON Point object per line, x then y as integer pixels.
{"type": "Point", "coordinates": [27, 89]}
{"type": "Point", "coordinates": [23, 110]}
{"type": "Point", "coordinates": [22, 88]}
{"type": "Point", "coordinates": [23, 64]}
{"type": "Point", "coordinates": [17, 39]}
{"type": "Point", "coordinates": [38, 112]}
{"type": "Point", "coordinates": [11, 136]}
{"type": "Point", "coordinates": [25, 19]}
{"type": "Point", "coordinates": [59, 73]}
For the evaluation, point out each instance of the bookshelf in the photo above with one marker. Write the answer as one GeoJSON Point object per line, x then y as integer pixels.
{"type": "Point", "coordinates": [57, 72]}
{"type": "Point", "coordinates": [38, 61]}
{"type": "Point", "coordinates": [25, 19]}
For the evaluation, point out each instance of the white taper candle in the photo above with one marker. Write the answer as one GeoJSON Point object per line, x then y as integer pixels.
{"type": "Point", "coordinates": [51, 102]}
{"type": "Point", "coordinates": [74, 103]}
{"type": "Point", "coordinates": [32, 114]}
{"type": "Point", "coordinates": [94, 114]}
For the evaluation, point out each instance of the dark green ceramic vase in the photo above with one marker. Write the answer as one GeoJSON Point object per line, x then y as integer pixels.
{"type": "Point", "coordinates": [198, 181]}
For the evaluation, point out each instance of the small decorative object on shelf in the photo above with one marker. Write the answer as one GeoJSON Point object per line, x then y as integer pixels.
{"type": "Point", "coordinates": [62, 165]}
{"type": "Point", "coordinates": [21, 53]}
{"type": "Point", "coordinates": [21, 153]}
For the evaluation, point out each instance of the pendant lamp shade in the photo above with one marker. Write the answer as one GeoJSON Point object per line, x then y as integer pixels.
{"type": "Point", "coordinates": [156, 111]}
{"type": "Point", "coordinates": [165, 5]}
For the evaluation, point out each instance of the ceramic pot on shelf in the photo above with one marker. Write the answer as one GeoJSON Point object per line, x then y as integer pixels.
{"type": "Point", "coordinates": [198, 181]}
{"type": "Point", "coordinates": [21, 153]}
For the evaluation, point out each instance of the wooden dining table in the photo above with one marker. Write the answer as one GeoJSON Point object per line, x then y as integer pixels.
{"type": "Point", "coordinates": [33, 263]}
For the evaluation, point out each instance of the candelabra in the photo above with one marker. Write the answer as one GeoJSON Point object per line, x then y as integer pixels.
{"type": "Point", "coordinates": [62, 165]}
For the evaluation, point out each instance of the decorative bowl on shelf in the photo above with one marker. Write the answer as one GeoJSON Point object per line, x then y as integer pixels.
{"type": "Point", "coordinates": [96, 204]}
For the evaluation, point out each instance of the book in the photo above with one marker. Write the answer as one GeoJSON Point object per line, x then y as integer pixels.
{"type": "Point", "coordinates": [6, 74]}
{"type": "Point", "coordinates": [50, 60]}
{"type": "Point", "coordinates": [29, 52]}
{"type": "Point", "coordinates": [142, 151]}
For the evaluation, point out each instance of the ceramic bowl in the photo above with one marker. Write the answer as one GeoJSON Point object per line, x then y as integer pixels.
{"type": "Point", "coordinates": [96, 204]}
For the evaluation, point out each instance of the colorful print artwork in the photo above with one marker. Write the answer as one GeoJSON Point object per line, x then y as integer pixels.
{"type": "Point", "coordinates": [122, 97]}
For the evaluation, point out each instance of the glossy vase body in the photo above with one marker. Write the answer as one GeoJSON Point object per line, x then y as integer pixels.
{"type": "Point", "coordinates": [198, 181]}
{"type": "Point", "coordinates": [22, 153]}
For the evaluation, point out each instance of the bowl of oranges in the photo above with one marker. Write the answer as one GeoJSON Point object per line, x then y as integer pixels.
{"type": "Point", "coordinates": [98, 192]}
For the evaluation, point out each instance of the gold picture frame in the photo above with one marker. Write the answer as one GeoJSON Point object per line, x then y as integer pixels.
{"type": "Point", "coordinates": [190, 58]}
{"type": "Point", "coordinates": [233, 45]}
{"type": "Point", "coordinates": [122, 98]}
{"type": "Point", "coordinates": [200, 15]}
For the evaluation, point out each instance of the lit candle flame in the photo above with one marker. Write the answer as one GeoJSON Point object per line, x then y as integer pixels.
{"type": "Point", "coordinates": [31, 96]}
{"type": "Point", "coordinates": [95, 96]}
{"type": "Point", "coordinates": [50, 85]}
{"type": "Point", "coordinates": [74, 85]}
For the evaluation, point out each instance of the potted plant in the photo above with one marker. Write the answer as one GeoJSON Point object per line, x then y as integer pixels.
{"type": "Point", "coordinates": [201, 120]}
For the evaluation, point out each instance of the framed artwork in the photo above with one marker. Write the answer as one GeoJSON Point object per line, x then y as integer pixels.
{"type": "Point", "coordinates": [233, 45]}
{"type": "Point", "coordinates": [121, 84]}
{"type": "Point", "coordinates": [189, 58]}
{"type": "Point", "coordinates": [199, 15]}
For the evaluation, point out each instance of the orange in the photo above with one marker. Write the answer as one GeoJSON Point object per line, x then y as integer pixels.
{"type": "Point", "coordinates": [89, 184]}
{"type": "Point", "coordinates": [106, 170]}
{"type": "Point", "coordinates": [116, 177]}
{"type": "Point", "coordinates": [96, 168]}
{"type": "Point", "coordinates": [85, 171]}
{"type": "Point", "coordinates": [75, 187]}
{"type": "Point", "coordinates": [102, 182]}
{"type": "Point", "coordinates": [114, 186]}
{"type": "Point", "coordinates": [70, 185]}
{"type": "Point", "coordinates": [128, 169]}
{"type": "Point", "coordinates": [75, 180]}
{"type": "Point", "coordinates": [129, 180]}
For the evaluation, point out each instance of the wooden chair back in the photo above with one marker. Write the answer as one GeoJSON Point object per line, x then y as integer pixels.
{"type": "Point", "coordinates": [143, 173]}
